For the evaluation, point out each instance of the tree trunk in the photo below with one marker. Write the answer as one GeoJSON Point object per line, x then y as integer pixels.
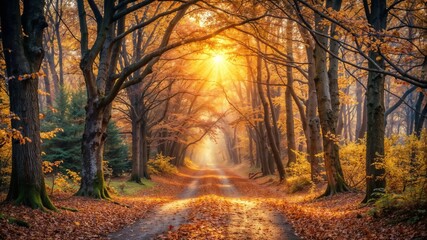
{"type": "Point", "coordinates": [328, 103]}
{"type": "Point", "coordinates": [92, 182]}
{"type": "Point", "coordinates": [375, 171]}
{"type": "Point", "coordinates": [290, 126]}
{"type": "Point", "coordinates": [270, 135]}
{"type": "Point", "coordinates": [23, 57]}
{"type": "Point", "coordinates": [47, 89]}
{"type": "Point", "coordinates": [136, 148]}
{"type": "Point", "coordinates": [359, 109]}
{"type": "Point", "coordinates": [314, 141]}
{"type": "Point", "coordinates": [144, 146]}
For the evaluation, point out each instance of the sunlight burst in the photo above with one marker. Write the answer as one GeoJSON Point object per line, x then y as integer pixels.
{"type": "Point", "coordinates": [218, 59]}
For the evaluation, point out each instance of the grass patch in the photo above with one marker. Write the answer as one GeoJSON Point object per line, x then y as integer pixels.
{"type": "Point", "coordinates": [127, 188]}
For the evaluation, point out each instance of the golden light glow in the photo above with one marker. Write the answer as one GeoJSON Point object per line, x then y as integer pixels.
{"type": "Point", "coordinates": [219, 59]}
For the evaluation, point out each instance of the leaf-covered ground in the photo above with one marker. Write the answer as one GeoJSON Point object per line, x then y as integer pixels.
{"type": "Point", "coordinates": [94, 218]}
{"type": "Point", "coordinates": [209, 204]}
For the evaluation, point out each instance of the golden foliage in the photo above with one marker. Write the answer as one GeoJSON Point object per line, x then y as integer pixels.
{"type": "Point", "coordinates": [60, 182]}
{"type": "Point", "coordinates": [298, 174]}
{"type": "Point", "coordinates": [161, 164]}
{"type": "Point", "coordinates": [404, 161]}
{"type": "Point", "coordinates": [50, 134]}
{"type": "Point", "coordinates": [352, 156]}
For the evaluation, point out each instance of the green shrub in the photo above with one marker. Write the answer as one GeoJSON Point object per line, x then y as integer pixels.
{"type": "Point", "coordinates": [160, 165]}
{"type": "Point", "coordinates": [403, 206]}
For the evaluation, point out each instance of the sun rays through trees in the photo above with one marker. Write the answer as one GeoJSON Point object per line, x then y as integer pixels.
{"type": "Point", "coordinates": [324, 97]}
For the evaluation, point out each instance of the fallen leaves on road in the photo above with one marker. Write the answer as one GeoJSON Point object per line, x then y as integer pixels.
{"type": "Point", "coordinates": [94, 218]}
{"type": "Point", "coordinates": [343, 217]}
{"type": "Point", "coordinates": [337, 217]}
{"type": "Point", "coordinates": [206, 220]}
{"type": "Point", "coordinates": [211, 215]}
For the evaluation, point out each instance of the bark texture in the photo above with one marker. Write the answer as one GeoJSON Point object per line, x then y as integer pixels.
{"type": "Point", "coordinates": [22, 44]}
{"type": "Point", "coordinates": [375, 171]}
{"type": "Point", "coordinates": [328, 103]}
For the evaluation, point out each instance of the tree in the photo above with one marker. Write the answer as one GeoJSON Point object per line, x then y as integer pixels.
{"type": "Point", "coordinates": [116, 151]}
{"type": "Point", "coordinates": [375, 171]}
{"type": "Point", "coordinates": [69, 116]}
{"type": "Point", "coordinates": [6, 134]}
{"type": "Point", "coordinates": [23, 51]}
{"type": "Point", "coordinates": [326, 81]}
{"type": "Point", "coordinates": [104, 82]}
{"type": "Point", "coordinates": [275, 149]}
{"type": "Point", "coordinates": [290, 134]}
{"type": "Point", "coordinates": [103, 86]}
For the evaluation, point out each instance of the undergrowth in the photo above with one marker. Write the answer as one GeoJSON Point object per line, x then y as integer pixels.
{"type": "Point", "coordinates": [161, 165]}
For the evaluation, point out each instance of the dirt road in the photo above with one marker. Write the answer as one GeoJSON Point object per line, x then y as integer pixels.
{"type": "Point", "coordinates": [213, 206]}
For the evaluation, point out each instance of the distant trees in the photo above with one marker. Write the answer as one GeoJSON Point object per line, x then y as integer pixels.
{"type": "Point", "coordinates": [104, 82]}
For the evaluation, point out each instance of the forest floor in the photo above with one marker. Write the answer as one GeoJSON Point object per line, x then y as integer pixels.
{"type": "Point", "coordinates": [209, 203]}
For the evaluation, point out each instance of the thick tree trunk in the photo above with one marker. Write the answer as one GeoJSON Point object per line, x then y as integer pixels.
{"type": "Point", "coordinates": [23, 55]}
{"type": "Point", "coordinates": [328, 103]}
{"type": "Point", "coordinates": [312, 122]}
{"type": "Point", "coordinates": [314, 143]}
{"type": "Point", "coordinates": [92, 182]}
{"type": "Point", "coordinates": [139, 136]}
{"type": "Point", "coordinates": [375, 171]}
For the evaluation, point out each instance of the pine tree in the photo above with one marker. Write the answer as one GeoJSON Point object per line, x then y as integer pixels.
{"type": "Point", "coordinates": [69, 115]}
{"type": "Point", "coordinates": [116, 151]}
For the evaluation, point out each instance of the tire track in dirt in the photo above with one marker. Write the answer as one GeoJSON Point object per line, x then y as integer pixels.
{"type": "Point", "coordinates": [212, 207]}
{"type": "Point", "coordinates": [167, 216]}
{"type": "Point", "coordinates": [250, 218]}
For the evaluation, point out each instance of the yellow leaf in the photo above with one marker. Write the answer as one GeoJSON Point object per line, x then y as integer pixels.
{"type": "Point", "coordinates": [378, 58]}
{"type": "Point", "coordinates": [77, 223]}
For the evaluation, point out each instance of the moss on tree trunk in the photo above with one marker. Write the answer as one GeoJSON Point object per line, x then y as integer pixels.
{"type": "Point", "coordinates": [36, 198]}
{"type": "Point", "coordinates": [23, 57]}
{"type": "Point", "coordinates": [98, 188]}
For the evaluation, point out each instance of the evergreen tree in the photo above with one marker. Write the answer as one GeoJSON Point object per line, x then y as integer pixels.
{"type": "Point", "coordinates": [69, 115]}
{"type": "Point", "coordinates": [116, 151]}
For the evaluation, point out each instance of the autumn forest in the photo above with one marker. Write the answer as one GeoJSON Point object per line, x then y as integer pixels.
{"type": "Point", "coordinates": [213, 119]}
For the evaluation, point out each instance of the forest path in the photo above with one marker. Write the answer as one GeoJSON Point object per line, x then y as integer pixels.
{"type": "Point", "coordinates": [213, 206]}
